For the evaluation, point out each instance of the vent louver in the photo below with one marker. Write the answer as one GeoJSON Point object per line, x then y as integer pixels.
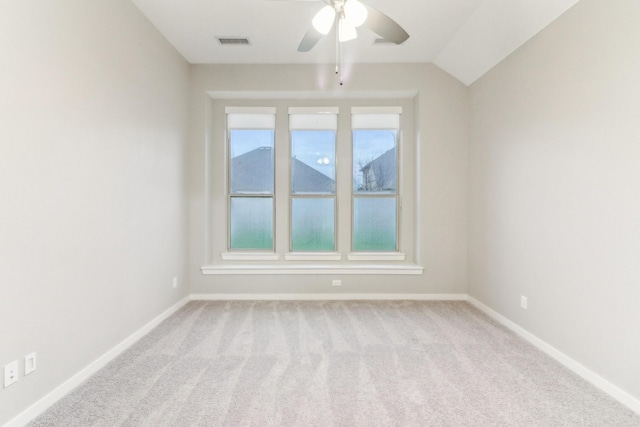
{"type": "Point", "coordinates": [233, 41]}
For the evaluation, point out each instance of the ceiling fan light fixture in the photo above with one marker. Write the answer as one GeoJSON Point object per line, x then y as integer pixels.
{"type": "Point", "coordinates": [355, 12]}
{"type": "Point", "coordinates": [346, 30]}
{"type": "Point", "coordinates": [323, 21]}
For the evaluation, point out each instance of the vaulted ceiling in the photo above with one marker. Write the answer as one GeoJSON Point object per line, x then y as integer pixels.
{"type": "Point", "coordinates": [465, 38]}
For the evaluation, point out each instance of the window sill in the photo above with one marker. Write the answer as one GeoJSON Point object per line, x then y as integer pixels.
{"type": "Point", "coordinates": [376, 256]}
{"type": "Point", "coordinates": [313, 256]}
{"type": "Point", "coordinates": [334, 269]}
{"type": "Point", "coordinates": [249, 256]}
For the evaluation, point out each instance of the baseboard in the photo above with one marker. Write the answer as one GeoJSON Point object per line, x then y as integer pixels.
{"type": "Point", "coordinates": [58, 393]}
{"type": "Point", "coordinates": [47, 401]}
{"type": "Point", "coordinates": [611, 389]}
{"type": "Point", "coordinates": [327, 297]}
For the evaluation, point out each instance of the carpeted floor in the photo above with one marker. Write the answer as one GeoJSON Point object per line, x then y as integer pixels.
{"type": "Point", "coordinates": [338, 363]}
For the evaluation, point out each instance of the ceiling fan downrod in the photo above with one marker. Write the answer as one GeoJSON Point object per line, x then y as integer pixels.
{"type": "Point", "coordinates": [338, 56]}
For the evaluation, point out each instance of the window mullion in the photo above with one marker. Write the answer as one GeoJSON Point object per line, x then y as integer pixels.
{"type": "Point", "coordinates": [282, 158]}
{"type": "Point", "coordinates": [344, 182]}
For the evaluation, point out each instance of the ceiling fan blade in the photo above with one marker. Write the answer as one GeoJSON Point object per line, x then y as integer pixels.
{"type": "Point", "coordinates": [384, 26]}
{"type": "Point", "coordinates": [309, 40]}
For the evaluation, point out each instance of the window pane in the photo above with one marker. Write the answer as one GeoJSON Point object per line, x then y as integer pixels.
{"type": "Point", "coordinates": [313, 167]}
{"type": "Point", "coordinates": [251, 161]}
{"type": "Point", "coordinates": [312, 224]}
{"type": "Point", "coordinates": [251, 223]}
{"type": "Point", "coordinates": [375, 160]}
{"type": "Point", "coordinates": [374, 224]}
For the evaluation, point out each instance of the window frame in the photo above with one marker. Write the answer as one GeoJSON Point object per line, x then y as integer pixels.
{"type": "Point", "coordinates": [230, 195]}
{"type": "Point", "coordinates": [282, 260]}
{"type": "Point", "coordinates": [319, 254]}
{"type": "Point", "coordinates": [382, 254]}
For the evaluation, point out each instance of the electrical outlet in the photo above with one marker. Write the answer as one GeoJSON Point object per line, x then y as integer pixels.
{"type": "Point", "coordinates": [175, 282]}
{"type": "Point", "coordinates": [29, 363]}
{"type": "Point", "coordinates": [336, 282]}
{"type": "Point", "coordinates": [10, 373]}
{"type": "Point", "coordinates": [523, 302]}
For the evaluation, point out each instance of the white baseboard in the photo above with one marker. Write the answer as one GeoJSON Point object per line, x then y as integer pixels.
{"type": "Point", "coordinates": [327, 297]}
{"type": "Point", "coordinates": [58, 393]}
{"type": "Point", "coordinates": [611, 389]}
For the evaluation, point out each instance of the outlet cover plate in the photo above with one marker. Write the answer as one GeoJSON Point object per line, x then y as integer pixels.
{"type": "Point", "coordinates": [10, 373]}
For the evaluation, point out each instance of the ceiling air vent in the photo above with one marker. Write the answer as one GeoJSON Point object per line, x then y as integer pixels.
{"type": "Point", "coordinates": [233, 41]}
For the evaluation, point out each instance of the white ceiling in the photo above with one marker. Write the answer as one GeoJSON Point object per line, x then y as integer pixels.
{"type": "Point", "coordinates": [465, 38]}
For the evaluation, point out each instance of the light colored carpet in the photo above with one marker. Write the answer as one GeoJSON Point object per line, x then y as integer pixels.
{"type": "Point", "coordinates": [338, 363]}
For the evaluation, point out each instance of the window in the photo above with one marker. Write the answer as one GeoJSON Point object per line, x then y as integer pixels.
{"type": "Point", "coordinates": [375, 178]}
{"type": "Point", "coordinates": [313, 179]}
{"type": "Point", "coordinates": [311, 190]}
{"type": "Point", "coordinates": [251, 139]}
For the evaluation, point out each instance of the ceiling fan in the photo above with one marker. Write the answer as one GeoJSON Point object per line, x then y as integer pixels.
{"type": "Point", "coordinates": [349, 15]}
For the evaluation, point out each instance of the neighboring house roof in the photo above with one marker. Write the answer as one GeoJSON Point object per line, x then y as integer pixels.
{"type": "Point", "coordinates": [253, 172]}
{"type": "Point", "coordinates": [309, 180]}
{"type": "Point", "coordinates": [381, 172]}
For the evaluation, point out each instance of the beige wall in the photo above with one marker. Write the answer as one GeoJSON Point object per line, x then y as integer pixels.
{"type": "Point", "coordinates": [540, 177]}
{"type": "Point", "coordinates": [92, 211]}
{"type": "Point", "coordinates": [554, 188]}
{"type": "Point", "coordinates": [442, 124]}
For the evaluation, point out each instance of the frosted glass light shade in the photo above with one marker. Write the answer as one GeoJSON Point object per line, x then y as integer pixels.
{"type": "Point", "coordinates": [323, 21]}
{"type": "Point", "coordinates": [346, 31]}
{"type": "Point", "coordinates": [355, 12]}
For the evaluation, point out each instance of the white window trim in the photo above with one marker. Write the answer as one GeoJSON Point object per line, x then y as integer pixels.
{"type": "Point", "coordinates": [377, 110]}
{"type": "Point", "coordinates": [376, 256]}
{"type": "Point", "coordinates": [261, 118]}
{"type": "Point", "coordinates": [313, 269]}
{"type": "Point", "coordinates": [314, 110]}
{"type": "Point", "coordinates": [313, 256]}
{"type": "Point", "coordinates": [249, 110]}
{"type": "Point", "coordinates": [249, 256]}
{"type": "Point", "coordinates": [380, 117]}
{"type": "Point", "coordinates": [273, 263]}
{"type": "Point", "coordinates": [306, 119]}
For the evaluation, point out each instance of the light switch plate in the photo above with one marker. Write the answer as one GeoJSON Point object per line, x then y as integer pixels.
{"type": "Point", "coordinates": [29, 363]}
